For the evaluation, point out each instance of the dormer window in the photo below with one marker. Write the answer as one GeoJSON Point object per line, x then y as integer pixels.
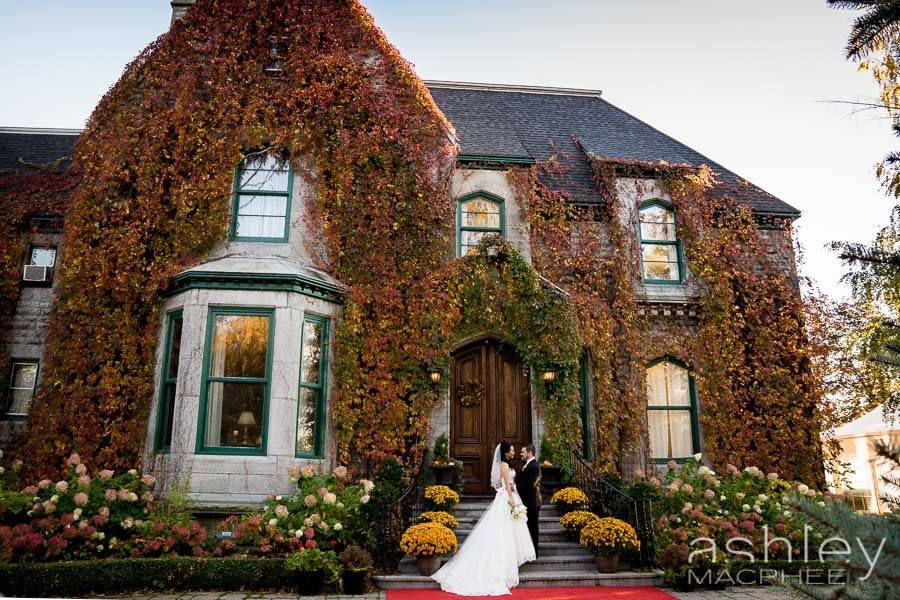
{"type": "Point", "coordinates": [262, 204]}
{"type": "Point", "coordinates": [661, 259]}
{"type": "Point", "coordinates": [478, 216]}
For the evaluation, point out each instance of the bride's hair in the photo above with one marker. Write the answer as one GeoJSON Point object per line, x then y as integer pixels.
{"type": "Point", "coordinates": [504, 448]}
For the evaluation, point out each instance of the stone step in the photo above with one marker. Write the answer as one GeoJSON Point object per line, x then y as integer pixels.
{"type": "Point", "coordinates": [562, 548]}
{"type": "Point", "coordinates": [545, 563]}
{"type": "Point", "coordinates": [544, 578]}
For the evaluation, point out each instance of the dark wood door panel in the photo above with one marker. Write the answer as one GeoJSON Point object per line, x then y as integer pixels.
{"type": "Point", "coordinates": [504, 412]}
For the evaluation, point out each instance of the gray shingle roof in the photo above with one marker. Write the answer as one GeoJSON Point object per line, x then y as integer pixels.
{"type": "Point", "coordinates": [21, 148]}
{"type": "Point", "coordinates": [535, 125]}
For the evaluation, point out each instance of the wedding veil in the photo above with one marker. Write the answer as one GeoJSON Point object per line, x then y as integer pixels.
{"type": "Point", "coordinates": [495, 469]}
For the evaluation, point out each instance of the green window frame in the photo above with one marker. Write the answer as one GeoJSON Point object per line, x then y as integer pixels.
{"type": "Point", "coordinates": [690, 408]}
{"type": "Point", "coordinates": [208, 380]}
{"type": "Point", "coordinates": [313, 385]}
{"type": "Point", "coordinates": [17, 387]}
{"type": "Point", "coordinates": [254, 188]}
{"type": "Point", "coordinates": [168, 382]}
{"type": "Point", "coordinates": [668, 242]}
{"type": "Point", "coordinates": [464, 220]}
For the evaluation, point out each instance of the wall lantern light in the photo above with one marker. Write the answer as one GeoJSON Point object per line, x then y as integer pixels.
{"type": "Point", "coordinates": [435, 376]}
{"type": "Point", "coordinates": [549, 376]}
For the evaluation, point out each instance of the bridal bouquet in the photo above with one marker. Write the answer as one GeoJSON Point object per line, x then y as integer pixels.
{"type": "Point", "coordinates": [518, 512]}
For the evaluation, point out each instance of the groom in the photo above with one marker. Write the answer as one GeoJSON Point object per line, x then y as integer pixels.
{"type": "Point", "coordinates": [529, 488]}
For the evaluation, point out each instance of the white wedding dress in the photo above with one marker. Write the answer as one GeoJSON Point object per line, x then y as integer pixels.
{"type": "Point", "coordinates": [487, 563]}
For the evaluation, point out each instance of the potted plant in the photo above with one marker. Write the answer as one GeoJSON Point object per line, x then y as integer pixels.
{"type": "Point", "coordinates": [428, 542]}
{"type": "Point", "coordinates": [311, 568]}
{"type": "Point", "coordinates": [551, 472]}
{"type": "Point", "coordinates": [439, 516]}
{"type": "Point", "coordinates": [442, 466]}
{"type": "Point", "coordinates": [607, 538]}
{"type": "Point", "coordinates": [355, 564]}
{"type": "Point", "coordinates": [674, 560]}
{"type": "Point", "coordinates": [441, 497]}
{"type": "Point", "coordinates": [572, 523]}
{"type": "Point", "coordinates": [568, 499]}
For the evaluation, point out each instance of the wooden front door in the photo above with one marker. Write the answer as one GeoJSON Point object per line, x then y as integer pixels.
{"type": "Point", "coordinates": [489, 402]}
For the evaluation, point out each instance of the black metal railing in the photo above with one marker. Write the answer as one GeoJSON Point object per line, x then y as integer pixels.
{"type": "Point", "coordinates": [396, 517]}
{"type": "Point", "coordinates": [608, 499]}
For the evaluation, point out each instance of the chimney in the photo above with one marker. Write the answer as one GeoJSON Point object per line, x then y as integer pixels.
{"type": "Point", "coordinates": [179, 7]}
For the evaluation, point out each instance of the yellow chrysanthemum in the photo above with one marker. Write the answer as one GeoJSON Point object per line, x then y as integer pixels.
{"type": "Point", "coordinates": [439, 516]}
{"type": "Point", "coordinates": [428, 539]}
{"type": "Point", "coordinates": [609, 536]}
{"type": "Point", "coordinates": [569, 495]}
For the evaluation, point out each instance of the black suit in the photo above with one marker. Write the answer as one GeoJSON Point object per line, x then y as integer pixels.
{"type": "Point", "coordinates": [528, 485]}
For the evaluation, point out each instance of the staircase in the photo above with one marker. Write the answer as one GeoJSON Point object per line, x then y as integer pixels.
{"type": "Point", "coordinates": [562, 562]}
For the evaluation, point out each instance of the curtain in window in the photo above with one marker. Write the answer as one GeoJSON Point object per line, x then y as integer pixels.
{"type": "Point", "coordinates": [261, 216]}
{"type": "Point", "coordinates": [215, 392]}
{"type": "Point", "coordinates": [669, 418]}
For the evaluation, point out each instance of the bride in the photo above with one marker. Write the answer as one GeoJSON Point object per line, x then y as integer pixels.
{"type": "Point", "coordinates": [488, 562]}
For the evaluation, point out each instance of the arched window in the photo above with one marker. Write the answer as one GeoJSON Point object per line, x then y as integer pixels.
{"type": "Point", "coordinates": [477, 216]}
{"type": "Point", "coordinates": [661, 260]}
{"type": "Point", "coordinates": [671, 411]}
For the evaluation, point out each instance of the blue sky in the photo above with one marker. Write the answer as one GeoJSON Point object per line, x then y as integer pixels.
{"type": "Point", "coordinates": [750, 85]}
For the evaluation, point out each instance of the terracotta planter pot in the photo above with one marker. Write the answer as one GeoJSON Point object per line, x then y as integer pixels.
{"type": "Point", "coordinates": [607, 564]}
{"type": "Point", "coordinates": [428, 565]}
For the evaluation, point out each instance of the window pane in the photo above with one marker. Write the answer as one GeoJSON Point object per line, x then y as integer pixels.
{"type": "Point", "coordinates": [680, 432]}
{"type": "Point", "coordinates": [657, 223]}
{"type": "Point", "coordinates": [679, 389]}
{"type": "Point", "coordinates": [20, 400]}
{"type": "Point", "coordinates": [260, 227]}
{"type": "Point", "coordinates": [174, 349]}
{"type": "Point", "coordinates": [24, 376]}
{"type": "Point", "coordinates": [234, 414]}
{"type": "Point", "coordinates": [168, 416]}
{"type": "Point", "coordinates": [312, 352]}
{"type": "Point", "coordinates": [264, 173]}
{"type": "Point", "coordinates": [256, 206]}
{"type": "Point", "coordinates": [660, 261]}
{"type": "Point", "coordinates": [656, 385]}
{"type": "Point", "coordinates": [481, 213]}
{"type": "Point", "coordinates": [659, 433]}
{"type": "Point", "coordinates": [240, 343]}
{"type": "Point", "coordinates": [306, 420]}
{"type": "Point", "coordinates": [43, 257]}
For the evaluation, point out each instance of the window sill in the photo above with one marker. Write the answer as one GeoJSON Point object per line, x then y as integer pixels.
{"type": "Point", "coordinates": [231, 451]}
{"type": "Point", "coordinates": [18, 417]}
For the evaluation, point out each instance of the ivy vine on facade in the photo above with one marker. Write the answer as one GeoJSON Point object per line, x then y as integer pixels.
{"type": "Point", "coordinates": [282, 247]}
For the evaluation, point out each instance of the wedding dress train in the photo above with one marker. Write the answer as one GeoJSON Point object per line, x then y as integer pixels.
{"type": "Point", "coordinates": [487, 564]}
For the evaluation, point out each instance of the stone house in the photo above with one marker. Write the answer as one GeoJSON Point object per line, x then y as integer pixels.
{"type": "Point", "coordinates": [243, 375]}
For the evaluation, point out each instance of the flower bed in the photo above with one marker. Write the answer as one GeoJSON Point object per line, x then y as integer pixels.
{"type": "Point", "coordinates": [691, 501]}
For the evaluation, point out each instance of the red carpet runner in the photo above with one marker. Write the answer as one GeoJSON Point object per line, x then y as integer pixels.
{"type": "Point", "coordinates": [561, 593]}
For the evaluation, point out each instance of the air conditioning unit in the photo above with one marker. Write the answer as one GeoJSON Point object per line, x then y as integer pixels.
{"type": "Point", "coordinates": [37, 274]}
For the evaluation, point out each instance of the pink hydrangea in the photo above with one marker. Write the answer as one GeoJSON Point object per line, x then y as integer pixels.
{"type": "Point", "coordinates": [81, 499]}
{"type": "Point", "coordinates": [106, 474]}
{"type": "Point", "coordinates": [709, 494]}
{"type": "Point", "coordinates": [307, 471]}
{"type": "Point", "coordinates": [772, 476]}
{"type": "Point", "coordinates": [111, 495]}
{"type": "Point", "coordinates": [329, 498]}
{"type": "Point", "coordinates": [84, 480]}
{"type": "Point", "coordinates": [672, 465]}
{"type": "Point", "coordinates": [44, 484]}
{"type": "Point", "coordinates": [309, 533]}
{"type": "Point", "coordinates": [310, 500]}
{"type": "Point", "coordinates": [310, 543]}
{"type": "Point", "coordinates": [81, 469]}
{"type": "Point", "coordinates": [31, 490]}
{"type": "Point", "coordinates": [340, 472]}
{"type": "Point", "coordinates": [74, 459]}
{"type": "Point", "coordinates": [281, 511]}
{"type": "Point", "coordinates": [148, 480]}
{"type": "Point", "coordinates": [62, 486]}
